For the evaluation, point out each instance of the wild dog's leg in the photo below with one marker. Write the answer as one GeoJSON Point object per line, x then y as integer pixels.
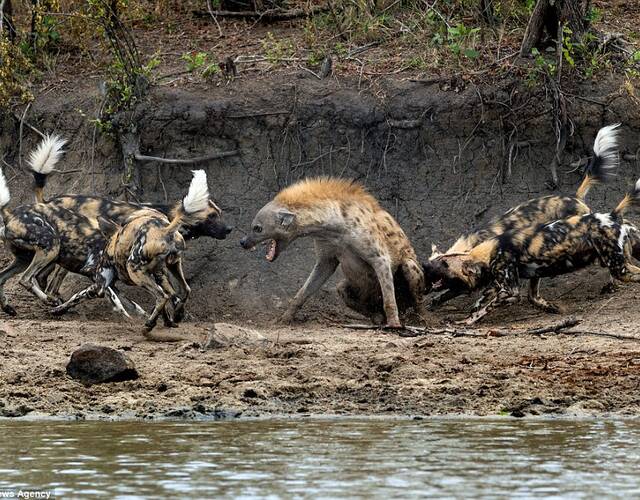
{"type": "Point", "coordinates": [324, 268]}
{"type": "Point", "coordinates": [445, 296]}
{"type": "Point", "coordinates": [41, 259]}
{"type": "Point", "coordinates": [55, 281]}
{"type": "Point", "coordinates": [627, 273]}
{"type": "Point", "coordinates": [382, 268]}
{"type": "Point", "coordinates": [158, 287]}
{"type": "Point", "coordinates": [44, 276]}
{"type": "Point", "coordinates": [90, 292]}
{"type": "Point", "coordinates": [104, 278]}
{"type": "Point", "coordinates": [536, 300]}
{"type": "Point", "coordinates": [182, 292]}
{"type": "Point", "coordinates": [503, 291]}
{"type": "Point", "coordinates": [17, 266]}
{"type": "Point", "coordinates": [130, 305]}
{"type": "Point", "coordinates": [415, 278]}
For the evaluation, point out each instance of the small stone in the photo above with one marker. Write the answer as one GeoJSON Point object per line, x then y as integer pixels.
{"type": "Point", "coordinates": [94, 364]}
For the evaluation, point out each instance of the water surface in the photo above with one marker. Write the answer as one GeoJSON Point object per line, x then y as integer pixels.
{"type": "Point", "coordinates": [324, 458]}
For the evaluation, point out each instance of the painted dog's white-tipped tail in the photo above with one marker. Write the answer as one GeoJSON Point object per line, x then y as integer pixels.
{"type": "Point", "coordinates": [603, 164]}
{"type": "Point", "coordinates": [606, 145]}
{"type": "Point", "coordinates": [197, 198]}
{"type": "Point", "coordinates": [45, 157]}
{"type": "Point", "coordinates": [5, 196]}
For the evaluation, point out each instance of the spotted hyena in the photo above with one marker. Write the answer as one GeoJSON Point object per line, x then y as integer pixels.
{"type": "Point", "coordinates": [350, 229]}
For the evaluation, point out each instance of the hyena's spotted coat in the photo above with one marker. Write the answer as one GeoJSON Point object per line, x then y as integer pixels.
{"type": "Point", "coordinates": [349, 229]}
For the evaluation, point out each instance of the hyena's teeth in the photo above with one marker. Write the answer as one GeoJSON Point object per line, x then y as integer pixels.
{"type": "Point", "coordinates": [271, 252]}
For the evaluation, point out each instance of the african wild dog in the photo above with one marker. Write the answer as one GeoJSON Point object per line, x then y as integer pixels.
{"type": "Point", "coordinates": [210, 223]}
{"type": "Point", "coordinates": [39, 237]}
{"type": "Point", "coordinates": [441, 269]}
{"type": "Point", "coordinates": [145, 250]}
{"type": "Point", "coordinates": [552, 249]}
{"type": "Point", "coordinates": [351, 229]}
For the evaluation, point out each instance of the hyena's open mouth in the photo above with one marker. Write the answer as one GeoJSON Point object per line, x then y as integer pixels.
{"type": "Point", "coordinates": [273, 250]}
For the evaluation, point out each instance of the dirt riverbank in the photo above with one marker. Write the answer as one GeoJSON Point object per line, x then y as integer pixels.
{"type": "Point", "coordinates": [322, 368]}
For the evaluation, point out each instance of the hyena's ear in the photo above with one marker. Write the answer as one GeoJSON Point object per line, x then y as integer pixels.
{"type": "Point", "coordinates": [434, 252]}
{"type": "Point", "coordinates": [107, 227]}
{"type": "Point", "coordinates": [286, 218]}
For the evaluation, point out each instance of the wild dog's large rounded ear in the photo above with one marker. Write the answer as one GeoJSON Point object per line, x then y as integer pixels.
{"type": "Point", "coordinates": [286, 218]}
{"type": "Point", "coordinates": [471, 270]}
{"type": "Point", "coordinates": [434, 252]}
{"type": "Point", "coordinates": [107, 227]}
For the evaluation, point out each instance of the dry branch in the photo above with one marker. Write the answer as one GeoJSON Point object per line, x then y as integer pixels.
{"type": "Point", "coordinates": [270, 15]}
{"type": "Point", "coordinates": [187, 161]}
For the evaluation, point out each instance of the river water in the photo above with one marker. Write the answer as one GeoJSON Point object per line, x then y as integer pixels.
{"type": "Point", "coordinates": [323, 458]}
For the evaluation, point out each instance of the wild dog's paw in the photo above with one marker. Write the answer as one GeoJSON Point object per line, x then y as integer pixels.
{"type": "Point", "coordinates": [57, 311]}
{"type": "Point", "coordinates": [169, 323]}
{"type": "Point", "coordinates": [148, 326]}
{"type": "Point", "coordinates": [9, 310]}
{"type": "Point", "coordinates": [54, 301]}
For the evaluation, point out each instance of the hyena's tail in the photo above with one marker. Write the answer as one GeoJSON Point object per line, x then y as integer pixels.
{"type": "Point", "coordinates": [43, 160]}
{"type": "Point", "coordinates": [631, 199]}
{"type": "Point", "coordinates": [604, 162]}
{"type": "Point", "coordinates": [197, 199]}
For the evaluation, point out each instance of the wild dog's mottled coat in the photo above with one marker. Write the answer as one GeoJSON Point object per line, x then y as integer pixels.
{"type": "Point", "coordinates": [350, 229]}
{"type": "Point", "coordinates": [146, 251]}
{"type": "Point", "coordinates": [556, 248]}
{"type": "Point", "coordinates": [440, 270]}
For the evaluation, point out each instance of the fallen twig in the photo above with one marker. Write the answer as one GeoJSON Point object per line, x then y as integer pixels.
{"type": "Point", "coordinates": [409, 124]}
{"type": "Point", "coordinates": [186, 161]}
{"type": "Point", "coordinates": [270, 15]}
{"type": "Point", "coordinates": [555, 327]}
{"type": "Point", "coordinates": [259, 113]}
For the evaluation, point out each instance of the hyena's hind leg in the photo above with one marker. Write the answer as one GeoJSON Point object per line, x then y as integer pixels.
{"type": "Point", "coordinates": [362, 300]}
{"type": "Point", "coordinates": [18, 265]}
{"type": "Point", "coordinates": [538, 301]}
{"type": "Point", "coordinates": [414, 276]}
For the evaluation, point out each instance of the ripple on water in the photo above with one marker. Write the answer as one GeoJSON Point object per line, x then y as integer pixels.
{"type": "Point", "coordinates": [325, 458]}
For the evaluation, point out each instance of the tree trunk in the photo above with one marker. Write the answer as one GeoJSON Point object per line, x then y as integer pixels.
{"type": "Point", "coordinates": [548, 16]}
{"type": "Point", "coordinates": [6, 20]}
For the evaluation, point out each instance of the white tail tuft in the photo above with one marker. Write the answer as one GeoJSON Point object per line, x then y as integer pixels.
{"type": "Point", "coordinates": [4, 191]}
{"type": "Point", "coordinates": [606, 145]}
{"type": "Point", "coordinates": [45, 157]}
{"type": "Point", "coordinates": [197, 198]}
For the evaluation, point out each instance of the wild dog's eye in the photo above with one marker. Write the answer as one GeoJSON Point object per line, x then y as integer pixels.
{"type": "Point", "coordinates": [445, 264]}
{"type": "Point", "coordinates": [257, 229]}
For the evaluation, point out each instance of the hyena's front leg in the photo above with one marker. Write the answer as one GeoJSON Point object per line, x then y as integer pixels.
{"type": "Point", "coordinates": [324, 268]}
{"type": "Point", "coordinates": [382, 268]}
{"type": "Point", "coordinates": [537, 300]}
{"type": "Point", "coordinates": [415, 278]}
